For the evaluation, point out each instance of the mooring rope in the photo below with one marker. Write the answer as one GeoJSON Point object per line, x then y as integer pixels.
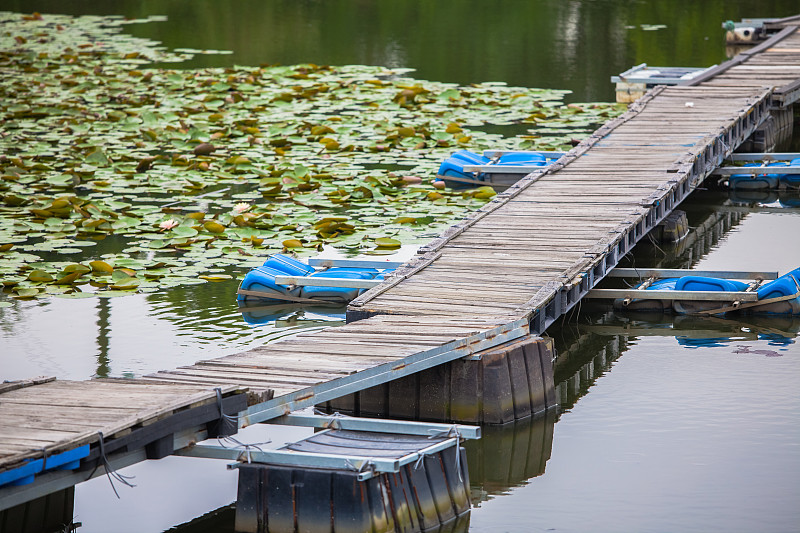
{"type": "Point", "coordinates": [111, 474]}
{"type": "Point", "coordinates": [233, 419]}
{"type": "Point", "coordinates": [368, 465]}
{"type": "Point", "coordinates": [333, 418]}
{"type": "Point", "coordinates": [451, 432]}
{"type": "Point", "coordinates": [238, 444]}
{"type": "Point", "coordinates": [44, 458]}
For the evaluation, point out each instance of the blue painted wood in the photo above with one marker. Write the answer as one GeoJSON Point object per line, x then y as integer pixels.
{"type": "Point", "coordinates": [25, 474]}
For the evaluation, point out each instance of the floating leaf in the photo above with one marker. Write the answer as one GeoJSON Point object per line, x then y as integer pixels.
{"type": "Point", "coordinates": [40, 276]}
{"type": "Point", "coordinates": [216, 277]}
{"type": "Point", "coordinates": [101, 267]}
{"type": "Point", "coordinates": [26, 293]}
{"type": "Point", "coordinates": [292, 243]}
{"type": "Point", "coordinates": [386, 242]}
{"type": "Point", "coordinates": [213, 227]}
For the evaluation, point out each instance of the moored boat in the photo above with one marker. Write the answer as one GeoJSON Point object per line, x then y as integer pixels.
{"type": "Point", "coordinates": [780, 296]}
{"type": "Point", "coordinates": [495, 168]}
{"type": "Point", "coordinates": [767, 180]}
{"type": "Point", "coordinates": [334, 285]}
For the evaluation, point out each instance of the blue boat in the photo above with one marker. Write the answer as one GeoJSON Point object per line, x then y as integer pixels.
{"type": "Point", "coordinates": [260, 284]}
{"type": "Point", "coordinates": [780, 296]}
{"type": "Point", "coordinates": [764, 180]}
{"type": "Point", "coordinates": [503, 169]}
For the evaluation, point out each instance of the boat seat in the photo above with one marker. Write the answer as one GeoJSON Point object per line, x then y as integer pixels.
{"type": "Point", "coordinates": [699, 283]}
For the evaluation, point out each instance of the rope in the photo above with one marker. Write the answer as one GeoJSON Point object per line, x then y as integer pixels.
{"type": "Point", "coordinates": [366, 466]}
{"type": "Point", "coordinates": [111, 474]}
{"type": "Point", "coordinates": [451, 432]}
{"type": "Point", "coordinates": [333, 419]}
{"type": "Point", "coordinates": [222, 415]}
{"type": "Point", "coordinates": [44, 458]}
{"type": "Point", "coordinates": [238, 444]}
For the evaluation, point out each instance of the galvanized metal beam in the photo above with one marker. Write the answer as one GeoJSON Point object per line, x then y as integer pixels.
{"type": "Point", "coordinates": [678, 272]}
{"type": "Point", "coordinates": [760, 156]}
{"type": "Point", "coordinates": [502, 169]}
{"type": "Point", "coordinates": [377, 425]}
{"type": "Point", "coordinates": [354, 263]}
{"type": "Point", "coordinates": [730, 171]}
{"type": "Point", "coordinates": [366, 467]}
{"type": "Point", "coordinates": [497, 153]}
{"type": "Point", "coordinates": [697, 296]}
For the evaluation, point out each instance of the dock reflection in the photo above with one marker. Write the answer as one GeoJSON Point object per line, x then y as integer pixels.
{"type": "Point", "coordinates": [509, 456]}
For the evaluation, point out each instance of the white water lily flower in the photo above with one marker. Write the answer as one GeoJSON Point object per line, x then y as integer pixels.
{"type": "Point", "coordinates": [168, 224]}
{"type": "Point", "coordinates": [241, 207]}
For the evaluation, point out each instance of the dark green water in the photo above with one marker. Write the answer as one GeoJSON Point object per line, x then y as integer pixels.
{"type": "Point", "coordinates": [658, 433]}
{"type": "Point", "coordinates": [559, 44]}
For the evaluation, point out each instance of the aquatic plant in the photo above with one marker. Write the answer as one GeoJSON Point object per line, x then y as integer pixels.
{"type": "Point", "coordinates": [117, 177]}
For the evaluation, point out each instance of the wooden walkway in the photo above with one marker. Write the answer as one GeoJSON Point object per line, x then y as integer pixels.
{"type": "Point", "coordinates": [506, 271]}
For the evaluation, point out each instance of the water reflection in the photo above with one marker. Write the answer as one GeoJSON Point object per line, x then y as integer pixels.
{"type": "Point", "coordinates": [291, 315]}
{"type": "Point", "coordinates": [103, 331]}
{"type": "Point", "coordinates": [509, 455]}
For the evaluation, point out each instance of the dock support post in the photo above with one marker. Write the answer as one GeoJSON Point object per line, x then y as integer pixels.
{"type": "Point", "coordinates": [48, 514]}
{"type": "Point", "coordinates": [495, 386]}
{"type": "Point", "coordinates": [428, 496]}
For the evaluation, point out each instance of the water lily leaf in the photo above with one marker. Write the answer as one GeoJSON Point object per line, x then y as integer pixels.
{"type": "Point", "coordinates": [76, 295]}
{"type": "Point", "coordinates": [40, 276]}
{"type": "Point", "coordinates": [292, 243]}
{"type": "Point", "coordinates": [216, 277]}
{"type": "Point", "coordinates": [77, 267]}
{"type": "Point", "coordinates": [98, 158]}
{"type": "Point", "coordinates": [122, 274]}
{"type": "Point", "coordinates": [127, 283]}
{"type": "Point", "coordinates": [386, 242]}
{"type": "Point", "coordinates": [25, 293]}
{"type": "Point", "coordinates": [69, 278]}
{"type": "Point", "coordinates": [187, 231]}
{"type": "Point", "coordinates": [101, 267]}
{"type": "Point", "coordinates": [214, 227]}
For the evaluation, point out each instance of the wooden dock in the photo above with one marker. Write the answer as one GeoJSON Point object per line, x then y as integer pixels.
{"type": "Point", "coordinates": [507, 271]}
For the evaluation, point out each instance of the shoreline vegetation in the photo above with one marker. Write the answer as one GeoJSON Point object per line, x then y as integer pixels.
{"type": "Point", "coordinates": [118, 178]}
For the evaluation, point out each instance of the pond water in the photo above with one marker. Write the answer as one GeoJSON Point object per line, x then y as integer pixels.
{"type": "Point", "coordinates": [660, 428]}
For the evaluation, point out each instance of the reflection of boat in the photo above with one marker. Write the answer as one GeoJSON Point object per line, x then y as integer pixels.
{"type": "Point", "coordinates": [498, 168]}
{"type": "Point", "coordinates": [696, 331]}
{"type": "Point", "coordinates": [705, 294]}
{"type": "Point", "coordinates": [283, 278]}
{"type": "Point", "coordinates": [289, 315]}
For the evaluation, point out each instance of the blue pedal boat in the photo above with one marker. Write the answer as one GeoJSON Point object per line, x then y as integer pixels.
{"type": "Point", "coordinates": [780, 296]}
{"type": "Point", "coordinates": [495, 168]}
{"type": "Point", "coordinates": [319, 286]}
{"type": "Point", "coordinates": [765, 180]}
